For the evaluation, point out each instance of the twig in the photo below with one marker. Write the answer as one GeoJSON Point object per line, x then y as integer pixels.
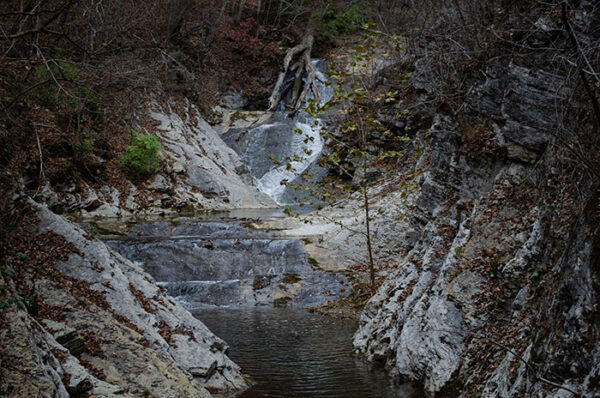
{"type": "Point", "coordinates": [532, 369]}
{"type": "Point", "coordinates": [42, 176]}
{"type": "Point", "coordinates": [586, 84]}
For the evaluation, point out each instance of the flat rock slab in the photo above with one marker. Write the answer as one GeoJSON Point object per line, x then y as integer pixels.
{"type": "Point", "coordinates": [229, 264]}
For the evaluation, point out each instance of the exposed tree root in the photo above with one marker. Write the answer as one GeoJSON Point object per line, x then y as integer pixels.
{"type": "Point", "coordinates": [304, 76]}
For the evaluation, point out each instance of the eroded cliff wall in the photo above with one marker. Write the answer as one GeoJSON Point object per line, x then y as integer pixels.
{"type": "Point", "coordinates": [496, 281]}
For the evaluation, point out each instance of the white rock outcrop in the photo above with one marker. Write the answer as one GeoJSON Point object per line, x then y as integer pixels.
{"type": "Point", "coordinates": [112, 330]}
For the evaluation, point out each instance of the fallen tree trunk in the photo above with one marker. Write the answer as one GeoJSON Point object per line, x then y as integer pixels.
{"type": "Point", "coordinates": [302, 84]}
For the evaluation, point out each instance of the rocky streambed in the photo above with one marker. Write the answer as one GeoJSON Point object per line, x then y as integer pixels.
{"type": "Point", "coordinates": [235, 279]}
{"type": "Point", "coordinates": [225, 262]}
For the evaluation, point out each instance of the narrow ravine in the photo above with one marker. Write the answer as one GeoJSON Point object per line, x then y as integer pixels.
{"type": "Point", "coordinates": [166, 164]}
{"type": "Point", "coordinates": [252, 289]}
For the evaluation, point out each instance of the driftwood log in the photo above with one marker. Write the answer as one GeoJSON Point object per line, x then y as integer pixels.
{"type": "Point", "coordinates": [304, 76]}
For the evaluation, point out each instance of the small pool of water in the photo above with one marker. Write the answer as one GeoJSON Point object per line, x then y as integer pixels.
{"type": "Point", "coordinates": [294, 353]}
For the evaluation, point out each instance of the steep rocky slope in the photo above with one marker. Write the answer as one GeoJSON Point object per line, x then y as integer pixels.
{"type": "Point", "coordinates": [98, 324]}
{"type": "Point", "coordinates": [487, 237]}
{"type": "Point", "coordinates": [200, 173]}
{"type": "Point", "coordinates": [496, 283]}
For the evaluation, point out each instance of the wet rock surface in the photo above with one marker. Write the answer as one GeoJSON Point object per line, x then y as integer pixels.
{"type": "Point", "coordinates": [229, 264]}
{"type": "Point", "coordinates": [282, 146]}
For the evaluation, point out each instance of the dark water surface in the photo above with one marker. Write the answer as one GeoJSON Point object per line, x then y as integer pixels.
{"type": "Point", "coordinates": [294, 353]}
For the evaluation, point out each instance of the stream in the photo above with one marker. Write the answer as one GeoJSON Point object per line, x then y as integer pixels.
{"type": "Point", "coordinates": [252, 287]}
{"type": "Point", "coordinates": [285, 148]}
{"type": "Point", "coordinates": [227, 263]}
{"type": "Point", "coordinates": [294, 353]}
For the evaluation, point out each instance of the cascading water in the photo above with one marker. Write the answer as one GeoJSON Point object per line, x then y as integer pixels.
{"type": "Point", "coordinates": [225, 263]}
{"type": "Point", "coordinates": [233, 276]}
{"type": "Point", "coordinates": [284, 148]}
{"type": "Point", "coordinates": [306, 148]}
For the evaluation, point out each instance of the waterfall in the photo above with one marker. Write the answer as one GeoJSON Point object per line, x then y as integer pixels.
{"type": "Point", "coordinates": [310, 141]}
{"type": "Point", "coordinates": [280, 138]}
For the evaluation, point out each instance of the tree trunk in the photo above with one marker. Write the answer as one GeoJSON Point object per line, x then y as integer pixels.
{"type": "Point", "coordinates": [368, 226]}
{"type": "Point", "coordinates": [300, 67]}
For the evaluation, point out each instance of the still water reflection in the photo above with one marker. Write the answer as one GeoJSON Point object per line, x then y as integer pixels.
{"type": "Point", "coordinates": [294, 353]}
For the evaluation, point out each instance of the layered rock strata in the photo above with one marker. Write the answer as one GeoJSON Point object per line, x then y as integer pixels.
{"type": "Point", "coordinates": [101, 326]}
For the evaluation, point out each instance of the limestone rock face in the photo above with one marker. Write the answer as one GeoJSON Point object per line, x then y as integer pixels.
{"type": "Point", "coordinates": [200, 172]}
{"type": "Point", "coordinates": [487, 262]}
{"type": "Point", "coordinates": [160, 184]}
{"type": "Point", "coordinates": [113, 331]}
{"type": "Point", "coordinates": [38, 366]}
{"type": "Point", "coordinates": [521, 103]}
{"type": "Point", "coordinates": [213, 169]}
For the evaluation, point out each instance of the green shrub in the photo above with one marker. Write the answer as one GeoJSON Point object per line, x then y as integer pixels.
{"type": "Point", "coordinates": [349, 20]}
{"type": "Point", "coordinates": [141, 157]}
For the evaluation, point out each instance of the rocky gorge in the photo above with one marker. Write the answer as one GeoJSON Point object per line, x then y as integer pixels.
{"type": "Point", "coordinates": [485, 232]}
